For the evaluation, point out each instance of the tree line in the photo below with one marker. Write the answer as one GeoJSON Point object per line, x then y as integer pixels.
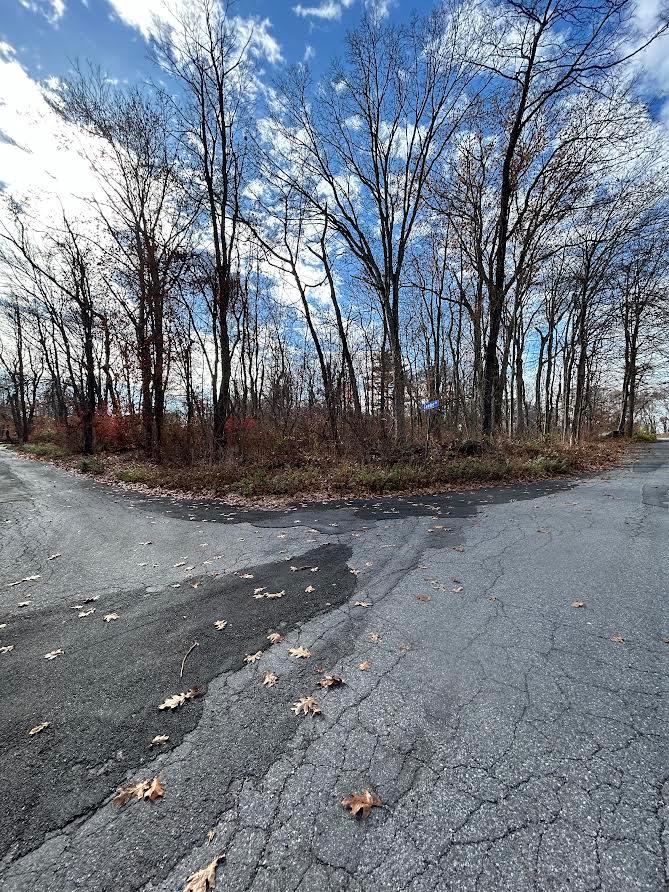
{"type": "Point", "coordinates": [469, 209]}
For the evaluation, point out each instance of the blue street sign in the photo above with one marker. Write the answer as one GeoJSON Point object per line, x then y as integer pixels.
{"type": "Point", "coordinates": [432, 404]}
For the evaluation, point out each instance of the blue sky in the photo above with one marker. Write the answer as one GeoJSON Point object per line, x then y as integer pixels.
{"type": "Point", "coordinates": [46, 34]}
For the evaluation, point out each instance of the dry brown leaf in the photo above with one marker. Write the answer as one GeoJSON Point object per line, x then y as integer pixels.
{"type": "Point", "coordinates": [205, 879]}
{"type": "Point", "coordinates": [309, 589]}
{"type": "Point", "coordinates": [330, 681]}
{"type": "Point", "coordinates": [457, 589]}
{"type": "Point", "coordinates": [275, 637]}
{"type": "Point", "coordinates": [53, 654]}
{"type": "Point", "coordinates": [110, 617]}
{"type": "Point", "coordinates": [86, 612]}
{"type": "Point", "coordinates": [364, 665]}
{"type": "Point", "coordinates": [257, 591]}
{"type": "Point", "coordinates": [6, 648]}
{"type": "Point", "coordinates": [306, 706]}
{"type": "Point", "coordinates": [220, 624]}
{"type": "Point", "coordinates": [361, 803]}
{"type": "Point", "coordinates": [149, 790]}
{"type": "Point", "coordinates": [374, 636]}
{"type": "Point", "coordinates": [159, 738]}
{"type": "Point", "coordinates": [24, 604]}
{"type": "Point", "coordinates": [618, 638]}
{"type": "Point", "coordinates": [175, 700]}
{"type": "Point", "coordinates": [270, 679]}
{"type": "Point", "coordinates": [246, 575]}
{"type": "Point", "coordinates": [424, 598]}
{"type": "Point", "coordinates": [211, 836]}
{"type": "Point", "coordinates": [52, 557]}
{"type": "Point", "coordinates": [299, 652]}
{"type": "Point", "coordinates": [253, 658]}
{"type": "Point", "coordinates": [361, 604]}
{"type": "Point", "coordinates": [38, 729]}
{"type": "Point", "coordinates": [272, 595]}
{"type": "Point", "coordinates": [91, 599]}
{"type": "Point", "coordinates": [578, 604]}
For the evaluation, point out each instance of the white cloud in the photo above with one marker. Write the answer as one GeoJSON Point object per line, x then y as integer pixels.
{"type": "Point", "coordinates": [52, 10]}
{"type": "Point", "coordinates": [328, 10]}
{"type": "Point", "coordinates": [653, 62]}
{"type": "Point", "coordinates": [309, 53]}
{"type": "Point", "coordinates": [150, 16]}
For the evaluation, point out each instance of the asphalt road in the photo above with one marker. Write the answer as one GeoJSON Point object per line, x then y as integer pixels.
{"type": "Point", "coordinates": [513, 744]}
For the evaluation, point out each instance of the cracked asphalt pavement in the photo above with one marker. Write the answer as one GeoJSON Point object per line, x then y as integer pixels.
{"type": "Point", "coordinates": [514, 744]}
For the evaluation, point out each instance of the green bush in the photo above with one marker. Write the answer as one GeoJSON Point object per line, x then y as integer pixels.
{"type": "Point", "coordinates": [138, 475]}
{"type": "Point", "coordinates": [643, 436]}
{"type": "Point", "coordinates": [91, 466]}
{"type": "Point", "coordinates": [45, 450]}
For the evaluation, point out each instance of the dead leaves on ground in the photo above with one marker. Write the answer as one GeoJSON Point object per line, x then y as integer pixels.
{"type": "Point", "coordinates": [361, 803]}
{"type": "Point", "coordinates": [38, 729]}
{"type": "Point", "coordinates": [362, 604]}
{"type": "Point", "coordinates": [176, 700]}
{"type": "Point", "coordinates": [53, 654]}
{"type": "Point", "coordinates": [220, 624]}
{"type": "Point", "coordinates": [270, 679]}
{"type": "Point", "coordinates": [205, 879]}
{"type": "Point", "coordinates": [577, 604]}
{"type": "Point", "coordinates": [253, 658]}
{"type": "Point", "coordinates": [6, 648]}
{"type": "Point", "coordinates": [375, 637]}
{"type": "Point", "coordinates": [148, 790]}
{"type": "Point", "coordinates": [364, 666]}
{"type": "Point", "coordinates": [275, 637]}
{"type": "Point", "coordinates": [110, 617]}
{"type": "Point", "coordinates": [299, 652]}
{"type": "Point", "coordinates": [618, 638]}
{"type": "Point", "coordinates": [306, 706]}
{"type": "Point", "coordinates": [330, 681]}
{"type": "Point", "coordinates": [159, 739]}
{"type": "Point", "coordinates": [423, 598]}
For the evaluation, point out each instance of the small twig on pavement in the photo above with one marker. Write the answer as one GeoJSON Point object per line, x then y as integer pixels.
{"type": "Point", "coordinates": [183, 662]}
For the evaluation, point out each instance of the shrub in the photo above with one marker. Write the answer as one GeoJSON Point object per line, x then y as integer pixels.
{"type": "Point", "coordinates": [91, 466]}
{"type": "Point", "coordinates": [138, 474]}
{"type": "Point", "coordinates": [45, 450]}
{"type": "Point", "coordinates": [643, 436]}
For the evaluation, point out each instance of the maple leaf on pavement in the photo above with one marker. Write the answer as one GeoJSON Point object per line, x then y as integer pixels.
{"type": "Point", "coordinates": [330, 681]}
{"type": "Point", "coordinates": [309, 589]}
{"type": "Point", "coordinates": [299, 652]}
{"type": "Point", "coordinates": [53, 654]}
{"type": "Point", "coordinates": [149, 790]}
{"type": "Point", "coordinates": [158, 739]}
{"type": "Point", "coordinates": [253, 658]}
{"type": "Point", "coordinates": [270, 679]}
{"type": "Point", "coordinates": [175, 700]}
{"type": "Point", "coordinates": [38, 729]}
{"type": "Point", "coordinates": [272, 595]}
{"type": "Point", "coordinates": [205, 879]}
{"type": "Point", "coordinates": [305, 705]}
{"type": "Point", "coordinates": [364, 665]}
{"type": "Point", "coordinates": [275, 637]}
{"type": "Point", "coordinates": [220, 624]}
{"type": "Point", "coordinates": [361, 803]}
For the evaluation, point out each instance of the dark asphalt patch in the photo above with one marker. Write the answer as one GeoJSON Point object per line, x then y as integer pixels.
{"type": "Point", "coordinates": [102, 695]}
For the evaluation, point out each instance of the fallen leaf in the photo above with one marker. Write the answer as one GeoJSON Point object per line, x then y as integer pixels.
{"type": "Point", "coordinates": [314, 569]}
{"type": "Point", "coordinates": [6, 648]}
{"type": "Point", "coordinates": [205, 879]}
{"type": "Point", "coordinates": [361, 803]}
{"type": "Point", "coordinates": [149, 790]}
{"type": "Point", "coordinates": [364, 665]}
{"type": "Point", "coordinates": [110, 617]}
{"type": "Point", "coordinates": [246, 575]}
{"type": "Point", "coordinates": [159, 738]}
{"type": "Point", "coordinates": [423, 598]}
{"type": "Point", "coordinates": [299, 652]}
{"type": "Point", "coordinates": [270, 679]}
{"type": "Point", "coordinates": [175, 700]}
{"type": "Point", "coordinates": [258, 597]}
{"type": "Point", "coordinates": [31, 578]}
{"type": "Point", "coordinates": [220, 624]}
{"type": "Point", "coordinates": [24, 604]}
{"type": "Point", "coordinates": [263, 588]}
{"type": "Point", "coordinates": [38, 729]}
{"type": "Point", "coordinates": [180, 564]}
{"type": "Point", "coordinates": [53, 654]}
{"type": "Point", "coordinates": [87, 612]}
{"type": "Point", "coordinates": [272, 595]}
{"type": "Point", "coordinates": [253, 658]}
{"type": "Point", "coordinates": [275, 637]}
{"type": "Point", "coordinates": [309, 589]}
{"type": "Point", "coordinates": [457, 589]}
{"type": "Point", "coordinates": [458, 548]}
{"type": "Point", "coordinates": [306, 706]}
{"type": "Point", "coordinates": [618, 638]}
{"type": "Point", "coordinates": [361, 604]}
{"type": "Point", "coordinates": [543, 530]}
{"type": "Point", "coordinates": [91, 598]}
{"type": "Point", "coordinates": [330, 681]}
{"type": "Point", "coordinates": [374, 636]}
{"type": "Point", "coordinates": [211, 836]}
{"type": "Point", "coordinates": [53, 557]}
{"type": "Point", "coordinates": [578, 604]}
